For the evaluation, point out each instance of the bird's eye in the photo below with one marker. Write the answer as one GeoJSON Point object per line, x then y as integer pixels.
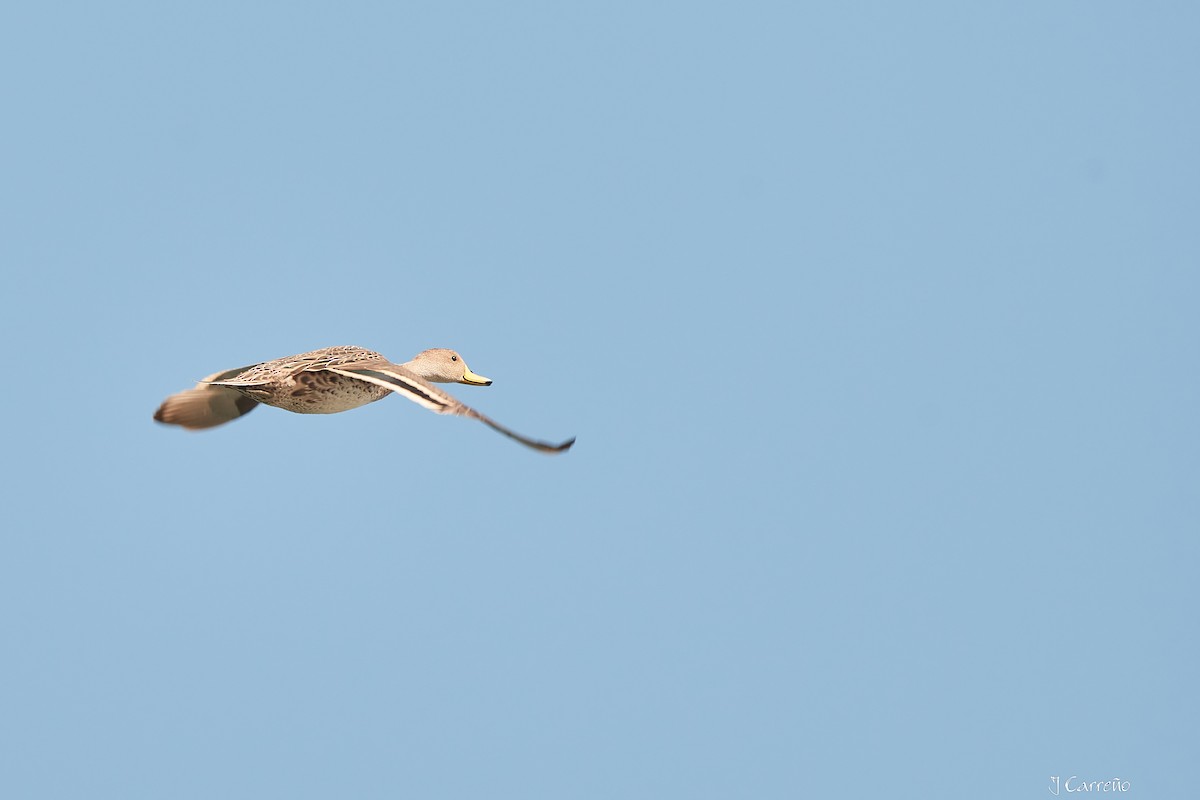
{"type": "Point", "coordinates": [454, 358]}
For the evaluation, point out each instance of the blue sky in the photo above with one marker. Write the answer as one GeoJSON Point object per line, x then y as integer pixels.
{"type": "Point", "coordinates": [876, 324]}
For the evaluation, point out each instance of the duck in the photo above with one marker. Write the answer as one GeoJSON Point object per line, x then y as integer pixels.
{"type": "Point", "coordinates": [329, 381]}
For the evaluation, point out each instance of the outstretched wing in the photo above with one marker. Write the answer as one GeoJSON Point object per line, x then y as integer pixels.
{"type": "Point", "coordinates": [543, 447]}
{"type": "Point", "coordinates": [425, 394]}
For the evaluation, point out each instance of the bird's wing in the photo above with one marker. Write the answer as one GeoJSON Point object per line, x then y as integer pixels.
{"type": "Point", "coordinates": [425, 394]}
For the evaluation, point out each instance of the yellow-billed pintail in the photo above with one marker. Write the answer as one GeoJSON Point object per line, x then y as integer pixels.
{"type": "Point", "coordinates": [330, 380]}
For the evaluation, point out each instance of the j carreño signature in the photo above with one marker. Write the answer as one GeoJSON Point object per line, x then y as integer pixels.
{"type": "Point", "coordinates": [1074, 784]}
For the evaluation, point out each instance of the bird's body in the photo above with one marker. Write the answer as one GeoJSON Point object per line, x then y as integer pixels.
{"type": "Point", "coordinates": [304, 383]}
{"type": "Point", "coordinates": [315, 392]}
{"type": "Point", "coordinates": [329, 381]}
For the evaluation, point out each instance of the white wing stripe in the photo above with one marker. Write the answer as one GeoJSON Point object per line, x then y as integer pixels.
{"type": "Point", "coordinates": [411, 388]}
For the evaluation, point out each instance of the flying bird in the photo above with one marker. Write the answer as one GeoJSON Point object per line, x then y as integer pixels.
{"type": "Point", "coordinates": [330, 380]}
